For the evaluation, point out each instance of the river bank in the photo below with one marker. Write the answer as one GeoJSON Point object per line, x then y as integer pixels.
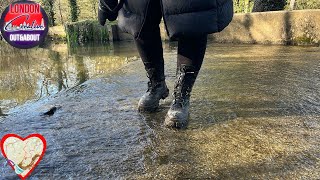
{"type": "Point", "coordinates": [300, 27]}
{"type": "Point", "coordinates": [254, 115]}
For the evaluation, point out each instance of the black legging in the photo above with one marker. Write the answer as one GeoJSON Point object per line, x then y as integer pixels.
{"type": "Point", "coordinates": [191, 50]}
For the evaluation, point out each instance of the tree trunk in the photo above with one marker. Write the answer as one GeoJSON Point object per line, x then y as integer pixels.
{"type": "Point", "coordinates": [74, 10]}
{"type": "Point", "coordinates": [292, 3]}
{"type": "Point", "coordinates": [48, 6]}
{"type": "Point", "coordinates": [61, 17]}
{"type": "Point", "coordinates": [94, 7]}
{"type": "Point", "coordinates": [51, 12]}
{"type": "Point", "coordinates": [248, 6]}
{"type": "Point", "coordinates": [268, 5]}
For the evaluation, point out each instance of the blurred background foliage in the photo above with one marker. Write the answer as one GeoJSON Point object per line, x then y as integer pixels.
{"type": "Point", "coordinates": [62, 11]}
{"type": "Point", "coordinates": [245, 6]}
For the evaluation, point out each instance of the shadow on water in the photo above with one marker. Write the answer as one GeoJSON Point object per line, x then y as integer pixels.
{"type": "Point", "coordinates": [254, 115]}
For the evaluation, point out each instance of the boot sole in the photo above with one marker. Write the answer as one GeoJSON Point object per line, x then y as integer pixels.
{"type": "Point", "coordinates": [165, 95]}
{"type": "Point", "coordinates": [148, 109]}
{"type": "Point", "coordinates": [155, 107]}
{"type": "Point", "coordinates": [173, 123]}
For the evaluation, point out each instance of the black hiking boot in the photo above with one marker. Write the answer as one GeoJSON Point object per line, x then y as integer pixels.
{"type": "Point", "coordinates": [157, 89]}
{"type": "Point", "coordinates": [178, 114]}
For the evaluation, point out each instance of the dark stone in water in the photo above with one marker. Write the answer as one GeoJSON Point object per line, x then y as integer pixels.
{"type": "Point", "coordinates": [1, 113]}
{"type": "Point", "coordinates": [51, 111]}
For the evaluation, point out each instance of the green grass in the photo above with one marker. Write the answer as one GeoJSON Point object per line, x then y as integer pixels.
{"type": "Point", "coordinates": [86, 31]}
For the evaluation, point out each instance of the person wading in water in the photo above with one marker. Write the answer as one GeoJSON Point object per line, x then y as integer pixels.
{"type": "Point", "coordinates": [188, 21]}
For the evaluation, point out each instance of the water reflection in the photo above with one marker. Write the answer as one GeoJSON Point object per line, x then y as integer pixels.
{"type": "Point", "coordinates": [37, 73]}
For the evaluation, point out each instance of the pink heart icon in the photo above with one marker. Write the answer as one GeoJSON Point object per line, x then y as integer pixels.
{"type": "Point", "coordinates": [23, 154]}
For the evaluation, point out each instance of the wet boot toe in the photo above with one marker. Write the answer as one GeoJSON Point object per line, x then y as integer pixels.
{"type": "Point", "coordinates": [176, 119]}
{"type": "Point", "coordinates": [149, 102]}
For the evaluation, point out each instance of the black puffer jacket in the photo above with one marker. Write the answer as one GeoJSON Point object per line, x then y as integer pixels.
{"type": "Point", "coordinates": [180, 16]}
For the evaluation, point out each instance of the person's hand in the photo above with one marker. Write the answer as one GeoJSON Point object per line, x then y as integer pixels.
{"type": "Point", "coordinates": [105, 11]}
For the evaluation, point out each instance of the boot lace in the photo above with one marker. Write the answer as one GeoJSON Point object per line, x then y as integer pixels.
{"type": "Point", "coordinates": [181, 92]}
